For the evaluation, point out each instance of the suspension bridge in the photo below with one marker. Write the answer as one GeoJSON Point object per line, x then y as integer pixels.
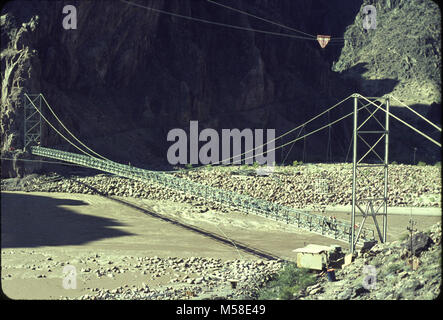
{"type": "Point", "coordinates": [305, 220]}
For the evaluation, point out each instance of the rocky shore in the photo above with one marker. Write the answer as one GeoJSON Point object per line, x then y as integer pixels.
{"type": "Point", "coordinates": [399, 274]}
{"type": "Point", "coordinates": [191, 278]}
{"type": "Point", "coordinates": [210, 278]}
{"type": "Point", "coordinates": [106, 276]}
{"type": "Point", "coordinates": [303, 186]}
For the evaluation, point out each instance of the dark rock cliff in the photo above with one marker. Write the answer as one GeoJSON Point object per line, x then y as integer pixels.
{"type": "Point", "coordinates": [128, 75]}
{"type": "Point", "coordinates": [401, 57]}
{"type": "Point", "coordinates": [404, 50]}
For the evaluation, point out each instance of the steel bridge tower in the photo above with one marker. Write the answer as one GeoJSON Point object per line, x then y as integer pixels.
{"type": "Point", "coordinates": [370, 180]}
{"type": "Point", "coordinates": [32, 123]}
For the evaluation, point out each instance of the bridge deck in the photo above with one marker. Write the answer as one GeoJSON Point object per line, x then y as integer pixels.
{"type": "Point", "coordinates": [319, 224]}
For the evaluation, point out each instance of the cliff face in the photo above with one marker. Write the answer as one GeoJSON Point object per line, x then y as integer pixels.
{"type": "Point", "coordinates": [127, 75]}
{"type": "Point", "coordinates": [402, 56]}
{"type": "Point", "coordinates": [404, 49]}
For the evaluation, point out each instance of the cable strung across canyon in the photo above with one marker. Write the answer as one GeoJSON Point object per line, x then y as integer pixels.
{"type": "Point", "coordinates": [72, 135]}
{"type": "Point", "coordinates": [236, 156]}
{"type": "Point", "coordinates": [220, 24]}
{"type": "Point", "coordinates": [337, 40]}
{"type": "Point", "coordinates": [287, 154]}
{"type": "Point", "coordinates": [53, 127]}
{"type": "Point", "coordinates": [263, 19]}
{"type": "Point", "coordinates": [279, 137]}
{"type": "Point", "coordinates": [416, 113]}
{"type": "Point", "coordinates": [309, 221]}
{"type": "Point", "coordinates": [405, 123]}
{"type": "Point", "coordinates": [218, 163]}
{"type": "Point", "coordinates": [328, 125]}
{"type": "Point", "coordinates": [321, 128]}
{"type": "Point", "coordinates": [306, 135]}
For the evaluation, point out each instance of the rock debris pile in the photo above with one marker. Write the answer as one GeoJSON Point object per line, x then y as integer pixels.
{"type": "Point", "coordinates": [399, 273]}
{"type": "Point", "coordinates": [417, 186]}
{"type": "Point", "coordinates": [189, 278]}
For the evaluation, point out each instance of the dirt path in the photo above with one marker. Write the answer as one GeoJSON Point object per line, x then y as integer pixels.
{"type": "Point", "coordinates": [42, 232]}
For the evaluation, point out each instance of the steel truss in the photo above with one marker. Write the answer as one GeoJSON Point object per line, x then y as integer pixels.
{"type": "Point", "coordinates": [32, 123]}
{"type": "Point", "coordinates": [368, 194]}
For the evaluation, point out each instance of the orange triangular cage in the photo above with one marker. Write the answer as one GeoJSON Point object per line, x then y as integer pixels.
{"type": "Point", "coordinates": [323, 40]}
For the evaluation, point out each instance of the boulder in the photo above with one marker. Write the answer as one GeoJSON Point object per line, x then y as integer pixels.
{"type": "Point", "coordinates": [368, 245]}
{"type": "Point", "coordinates": [420, 242]}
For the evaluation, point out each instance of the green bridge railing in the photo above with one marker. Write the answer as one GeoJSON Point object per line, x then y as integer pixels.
{"type": "Point", "coordinates": [319, 224]}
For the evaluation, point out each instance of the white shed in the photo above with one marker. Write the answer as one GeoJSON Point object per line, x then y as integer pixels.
{"type": "Point", "coordinates": [313, 256]}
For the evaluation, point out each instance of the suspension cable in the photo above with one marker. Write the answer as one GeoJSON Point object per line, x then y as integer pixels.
{"type": "Point", "coordinates": [41, 114]}
{"type": "Point", "coordinates": [216, 23]}
{"type": "Point", "coordinates": [264, 144]}
{"type": "Point", "coordinates": [72, 135]}
{"type": "Point", "coordinates": [329, 147]}
{"type": "Point", "coordinates": [306, 135]}
{"type": "Point", "coordinates": [416, 113]}
{"type": "Point", "coordinates": [349, 148]}
{"type": "Point", "coordinates": [404, 122]}
{"type": "Point", "coordinates": [301, 130]}
{"type": "Point", "coordinates": [288, 132]}
{"type": "Point", "coordinates": [332, 41]}
{"type": "Point", "coordinates": [263, 19]}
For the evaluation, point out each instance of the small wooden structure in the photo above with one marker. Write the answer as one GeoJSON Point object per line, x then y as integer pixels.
{"type": "Point", "coordinates": [317, 257]}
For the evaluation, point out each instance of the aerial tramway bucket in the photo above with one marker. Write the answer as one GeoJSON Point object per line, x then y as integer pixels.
{"type": "Point", "coordinates": [323, 40]}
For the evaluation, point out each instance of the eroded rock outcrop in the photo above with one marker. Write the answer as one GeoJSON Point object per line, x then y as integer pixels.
{"type": "Point", "coordinates": [403, 53]}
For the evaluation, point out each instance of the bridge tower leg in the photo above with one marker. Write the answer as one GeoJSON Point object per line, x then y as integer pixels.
{"type": "Point", "coordinates": [374, 193]}
{"type": "Point", "coordinates": [32, 123]}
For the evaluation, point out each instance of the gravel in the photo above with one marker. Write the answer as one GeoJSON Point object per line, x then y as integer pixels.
{"type": "Point", "coordinates": [298, 187]}
{"type": "Point", "coordinates": [399, 275]}
{"type": "Point", "coordinates": [205, 278]}
{"type": "Point", "coordinates": [208, 278]}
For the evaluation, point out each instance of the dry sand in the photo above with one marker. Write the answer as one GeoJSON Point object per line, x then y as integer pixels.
{"type": "Point", "coordinates": [42, 232]}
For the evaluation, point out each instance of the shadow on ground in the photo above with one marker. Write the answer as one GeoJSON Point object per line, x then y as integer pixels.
{"type": "Point", "coordinates": [229, 242]}
{"type": "Point", "coordinates": [29, 221]}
